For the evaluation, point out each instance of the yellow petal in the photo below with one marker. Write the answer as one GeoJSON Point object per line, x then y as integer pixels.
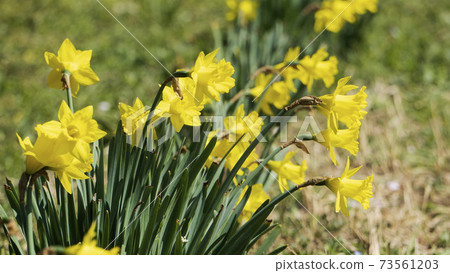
{"type": "Point", "coordinates": [75, 173]}
{"type": "Point", "coordinates": [211, 56]}
{"type": "Point", "coordinates": [85, 75]}
{"type": "Point", "coordinates": [25, 143]}
{"type": "Point", "coordinates": [65, 181]}
{"type": "Point", "coordinates": [65, 115]}
{"type": "Point", "coordinates": [86, 113]}
{"type": "Point", "coordinates": [240, 112]}
{"type": "Point", "coordinates": [52, 60]}
{"type": "Point", "coordinates": [84, 57]}
{"type": "Point", "coordinates": [292, 54]}
{"type": "Point", "coordinates": [288, 157]}
{"type": "Point", "coordinates": [32, 164]}
{"type": "Point", "coordinates": [82, 151]}
{"type": "Point", "coordinates": [162, 108]}
{"type": "Point", "coordinates": [54, 79]}
{"type": "Point", "coordinates": [90, 235]}
{"type": "Point", "coordinates": [341, 204]}
{"type": "Point", "coordinates": [75, 86]}
{"type": "Point", "coordinates": [352, 172]}
{"type": "Point", "coordinates": [256, 199]}
{"type": "Point", "coordinates": [282, 183]}
{"type": "Point", "coordinates": [177, 122]}
{"type": "Point", "coordinates": [169, 94]}
{"type": "Point", "coordinates": [49, 141]}
{"type": "Point", "coordinates": [52, 128]}
{"type": "Point", "coordinates": [347, 173]}
{"type": "Point", "coordinates": [96, 134]}
{"type": "Point", "coordinates": [67, 51]}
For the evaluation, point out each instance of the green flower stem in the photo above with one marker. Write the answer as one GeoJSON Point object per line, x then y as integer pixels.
{"type": "Point", "coordinates": [29, 222]}
{"type": "Point", "coordinates": [65, 215]}
{"type": "Point", "coordinates": [64, 195]}
{"type": "Point", "coordinates": [66, 82]}
{"type": "Point", "coordinates": [69, 98]}
{"type": "Point", "coordinates": [178, 74]}
{"type": "Point", "coordinates": [305, 137]}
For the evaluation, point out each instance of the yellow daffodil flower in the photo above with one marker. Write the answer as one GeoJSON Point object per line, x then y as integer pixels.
{"type": "Point", "coordinates": [240, 125]}
{"type": "Point", "coordinates": [223, 146]}
{"type": "Point", "coordinates": [211, 78]}
{"type": "Point", "coordinates": [133, 117]}
{"type": "Point", "coordinates": [248, 127]}
{"type": "Point", "coordinates": [75, 61]}
{"type": "Point", "coordinates": [248, 9]}
{"type": "Point", "coordinates": [235, 155]}
{"type": "Point", "coordinates": [220, 149]}
{"type": "Point", "coordinates": [180, 111]}
{"type": "Point", "coordinates": [256, 199]}
{"type": "Point", "coordinates": [80, 127]}
{"type": "Point", "coordinates": [53, 151]}
{"type": "Point", "coordinates": [63, 147]}
{"type": "Point", "coordinates": [333, 14]}
{"type": "Point", "coordinates": [36, 159]}
{"type": "Point", "coordinates": [348, 108]}
{"type": "Point", "coordinates": [133, 120]}
{"type": "Point", "coordinates": [286, 170]}
{"type": "Point", "coordinates": [82, 149]}
{"type": "Point", "coordinates": [315, 67]}
{"type": "Point", "coordinates": [340, 138]}
{"type": "Point", "coordinates": [89, 246]}
{"type": "Point", "coordinates": [277, 94]}
{"type": "Point", "coordinates": [289, 69]}
{"type": "Point", "coordinates": [261, 82]}
{"type": "Point", "coordinates": [362, 6]}
{"type": "Point", "coordinates": [344, 187]}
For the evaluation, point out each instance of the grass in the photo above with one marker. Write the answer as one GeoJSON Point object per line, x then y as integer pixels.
{"type": "Point", "coordinates": [403, 60]}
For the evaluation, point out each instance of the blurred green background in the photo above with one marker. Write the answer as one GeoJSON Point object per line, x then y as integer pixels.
{"type": "Point", "coordinates": [402, 54]}
{"type": "Point", "coordinates": [173, 31]}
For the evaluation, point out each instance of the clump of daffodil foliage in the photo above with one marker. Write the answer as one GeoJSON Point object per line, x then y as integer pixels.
{"type": "Point", "coordinates": [187, 173]}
